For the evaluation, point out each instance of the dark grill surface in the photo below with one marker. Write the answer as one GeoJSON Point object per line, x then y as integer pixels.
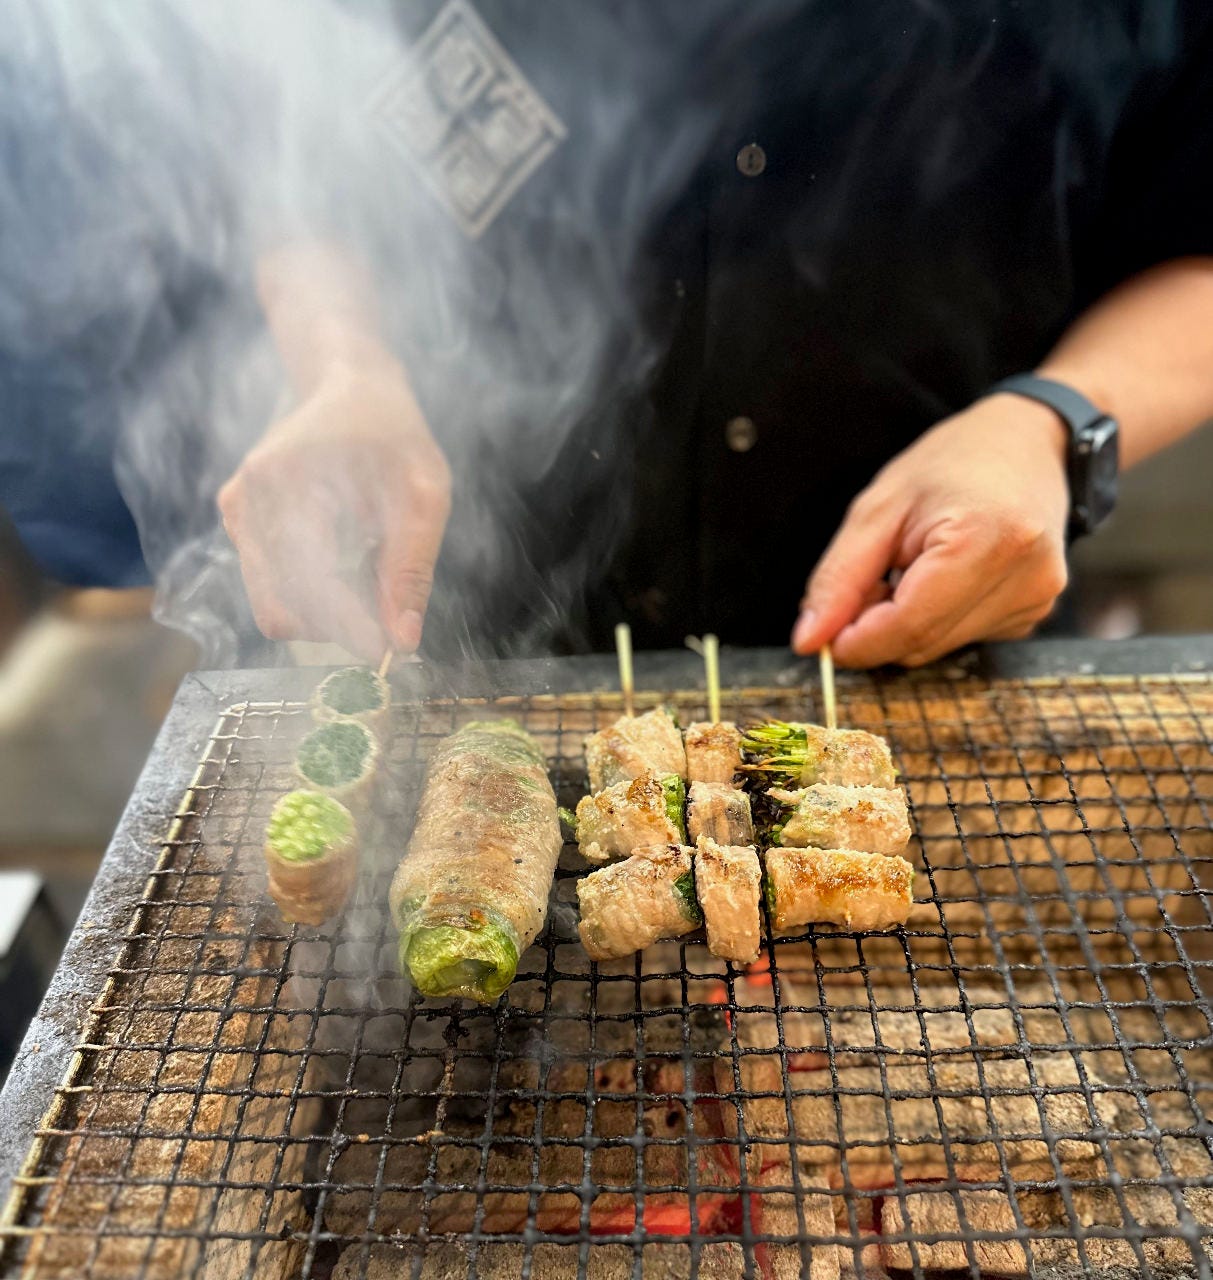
{"type": "Point", "coordinates": [1013, 1084]}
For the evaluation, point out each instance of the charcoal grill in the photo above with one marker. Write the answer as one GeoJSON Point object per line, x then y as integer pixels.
{"type": "Point", "coordinates": [1016, 1083]}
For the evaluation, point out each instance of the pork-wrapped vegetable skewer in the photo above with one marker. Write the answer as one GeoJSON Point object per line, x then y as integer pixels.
{"type": "Point", "coordinates": [311, 856]}
{"type": "Point", "coordinates": [727, 884]}
{"type": "Point", "coordinates": [353, 693]}
{"type": "Point", "coordinates": [631, 815]}
{"type": "Point", "coordinates": [798, 755]}
{"type": "Point", "coordinates": [720, 811]}
{"type": "Point", "coordinates": [339, 759]}
{"type": "Point", "coordinates": [634, 746]}
{"type": "Point", "coordinates": [859, 891]}
{"type": "Point", "coordinates": [826, 816]}
{"type": "Point", "coordinates": [630, 904]}
{"type": "Point", "coordinates": [471, 893]}
{"type": "Point", "coordinates": [713, 752]}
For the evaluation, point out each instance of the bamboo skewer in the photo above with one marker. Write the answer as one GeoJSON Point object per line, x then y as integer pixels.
{"type": "Point", "coordinates": [623, 644]}
{"type": "Point", "coordinates": [386, 662]}
{"type": "Point", "coordinates": [709, 650]}
{"type": "Point", "coordinates": [827, 686]}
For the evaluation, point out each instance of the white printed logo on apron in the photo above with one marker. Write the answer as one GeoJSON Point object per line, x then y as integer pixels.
{"type": "Point", "coordinates": [466, 117]}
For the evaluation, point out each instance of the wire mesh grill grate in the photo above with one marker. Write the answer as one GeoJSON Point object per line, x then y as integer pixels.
{"type": "Point", "coordinates": [1015, 1083]}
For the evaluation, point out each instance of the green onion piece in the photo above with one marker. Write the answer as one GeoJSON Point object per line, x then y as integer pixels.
{"type": "Point", "coordinates": [335, 753]}
{"type": "Point", "coordinates": [474, 960]}
{"type": "Point", "coordinates": [778, 749]}
{"type": "Point", "coordinates": [684, 890]}
{"type": "Point", "coordinates": [569, 818]}
{"type": "Point", "coordinates": [768, 885]}
{"type": "Point", "coordinates": [675, 792]}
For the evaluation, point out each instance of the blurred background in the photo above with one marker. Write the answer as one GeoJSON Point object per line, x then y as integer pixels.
{"type": "Point", "coordinates": [86, 677]}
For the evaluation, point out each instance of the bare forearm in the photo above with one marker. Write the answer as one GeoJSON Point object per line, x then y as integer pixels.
{"type": "Point", "coordinates": [320, 307]}
{"type": "Point", "coordinates": [1144, 353]}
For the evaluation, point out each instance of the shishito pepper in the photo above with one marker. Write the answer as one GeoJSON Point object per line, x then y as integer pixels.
{"type": "Point", "coordinates": [311, 855]}
{"type": "Point", "coordinates": [471, 893]}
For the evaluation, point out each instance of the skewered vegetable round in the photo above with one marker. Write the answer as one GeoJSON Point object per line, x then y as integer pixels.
{"type": "Point", "coordinates": [305, 825]}
{"type": "Point", "coordinates": [336, 753]}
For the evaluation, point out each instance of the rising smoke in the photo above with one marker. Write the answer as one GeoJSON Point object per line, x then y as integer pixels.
{"type": "Point", "coordinates": [177, 143]}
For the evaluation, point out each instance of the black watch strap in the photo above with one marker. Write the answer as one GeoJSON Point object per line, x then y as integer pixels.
{"type": "Point", "coordinates": [1075, 410]}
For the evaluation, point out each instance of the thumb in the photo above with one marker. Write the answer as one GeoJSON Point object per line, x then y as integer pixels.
{"type": "Point", "coordinates": [846, 576]}
{"type": "Point", "coordinates": [406, 575]}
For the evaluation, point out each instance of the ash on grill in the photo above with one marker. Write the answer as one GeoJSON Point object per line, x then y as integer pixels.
{"type": "Point", "coordinates": [1015, 1084]}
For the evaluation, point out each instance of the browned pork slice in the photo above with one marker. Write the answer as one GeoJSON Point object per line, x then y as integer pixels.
{"type": "Point", "coordinates": [628, 905]}
{"type": "Point", "coordinates": [797, 755]}
{"type": "Point", "coordinates": [727, 882]}
{"type": "Point", "coordinates": [713, 752]}
{"type": "Point", "coordinates": [826, 816]}
{"type": "Point", "coordinates": [860, 891]}
{"type": "Point", "coordinates": [630, 816]}
{"type": "Point", "coordinates": [634, 746]}
{"type": "Point", "coordinates": [720, 811]}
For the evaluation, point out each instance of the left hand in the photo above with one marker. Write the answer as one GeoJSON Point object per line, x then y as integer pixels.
{"type": "Point", "coordinates": [972, 518]}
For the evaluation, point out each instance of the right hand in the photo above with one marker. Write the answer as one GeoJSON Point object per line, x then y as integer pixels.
{"type": "Point", "coordinates": [352, 468]}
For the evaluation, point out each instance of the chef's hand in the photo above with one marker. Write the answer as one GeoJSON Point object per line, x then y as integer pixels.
{"type": "Point", "coordinates": [352, 471]}
{"type": "Point", "coordinates": [969, 522]}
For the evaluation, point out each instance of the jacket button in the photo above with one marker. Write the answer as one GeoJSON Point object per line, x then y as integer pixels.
{"type": "Point", "coordinates": [751, 160]}
{"type": "Point", "coordinates": [740, 434]}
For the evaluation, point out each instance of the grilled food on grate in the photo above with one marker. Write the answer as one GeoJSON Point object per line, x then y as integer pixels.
{"type": "Point", "coordinates": [339, 759]}
{"type": "Point", "coordinates": [720, 811]}
{"type": "Point", "coordinates": [634, 746]}
{"type": "Point", "coordinates": [353, 693]}
{"type": "Point", "coordinates": [713, 752]}
{"type": "Point", "coordinates": [647, 897]}
{"type": "Point", "coordinates": [860, 891]}
{"type": "Point", "coordinates": [631, 815]}
{"type": "Point", "coordinates": [826, 816]}
{"type": "Point", "coordinates": [791, 754]}
{"type": "Point", "coordinates": [471, 893]}
{"type": "Point", "coordinates": [728, 879]}
{"type": "Point", "coordinates": [311, 854]}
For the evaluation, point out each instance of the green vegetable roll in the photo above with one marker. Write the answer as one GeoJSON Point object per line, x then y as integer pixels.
{"type": "Point", "coordinates": [825, 816]}
{"type": "Point", "coordinates": [353, 693]}
{"type": "Point", "coordinates": [634, 746]}
{"type": "Point", "coordinates": [339, 759]}
{"type": "Point", "coordinates": [311, 854]}
{"type": "Point", "coordinates": [471, 893]}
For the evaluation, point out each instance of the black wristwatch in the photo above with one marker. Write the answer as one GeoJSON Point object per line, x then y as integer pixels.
{"type": "Point", "coordinates": [1093, 456]}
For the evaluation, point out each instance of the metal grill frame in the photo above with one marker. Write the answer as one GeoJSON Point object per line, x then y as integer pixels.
{"type": "Point", "coordinates": [94, 963]}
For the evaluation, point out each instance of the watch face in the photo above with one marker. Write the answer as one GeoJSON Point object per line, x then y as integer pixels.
{"type": "Point", "coordinates": [1100, 445]}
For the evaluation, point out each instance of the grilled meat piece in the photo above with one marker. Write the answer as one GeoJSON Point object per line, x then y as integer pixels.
{"type": "Point", "coordinates": [798, 755]}
{"type": "Point", "coordinates": [860, 891]}
{"type": "Point", "coordinates": [713, 752]}
{"type": "Point", "coordinates": [471, 892]}
{"type": "Point", "coordinates": [627, 906]}
{"type": "Point", "coordinates": [630, 816]}
{"type": "Point", "coordinates": [727, 882]}
{"type": "Point", "coordinates": [826, 816]}
{"type": "Point", "coordinates": [311, 856]}
{"type": "Point", "coordinates": [720, 811]}
{"type": "Point", "coordinates": [634, 746]}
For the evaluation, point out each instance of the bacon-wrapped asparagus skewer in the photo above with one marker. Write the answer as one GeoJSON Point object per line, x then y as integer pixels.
{"type": "Point", "coordinates": [826, 816]}
{"type": "Point", "coordinates": [471, 893]}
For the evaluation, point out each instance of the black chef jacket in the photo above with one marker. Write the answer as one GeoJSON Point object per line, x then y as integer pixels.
{"type": "Point", "coordinates": [877, 210]}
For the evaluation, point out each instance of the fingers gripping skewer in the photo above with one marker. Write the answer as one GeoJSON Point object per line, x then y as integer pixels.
{"type": "Point", "coordinates": [827, 686]}
{"type": "Point", "coordinates": [623, 643]}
